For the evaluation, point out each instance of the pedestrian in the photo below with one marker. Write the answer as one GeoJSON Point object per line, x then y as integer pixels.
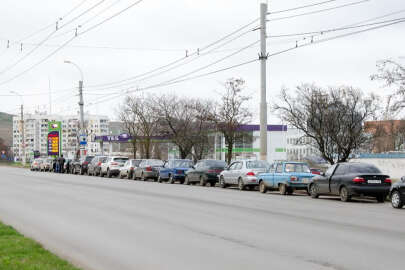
{"type": "Point", "coordinates": [57, 164]}
{"type": "Point", "coordinates": [62, 164]}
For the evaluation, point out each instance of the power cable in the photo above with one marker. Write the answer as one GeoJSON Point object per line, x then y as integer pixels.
{"type": "Point", "coordinates": [68, 41]}
{"type": "Point", "coordinates": [301, 7]}
{"type": "Point", "coordinates": [318, 11]}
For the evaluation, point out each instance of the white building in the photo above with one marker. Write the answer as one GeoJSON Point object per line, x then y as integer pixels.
{"type": "Point", "coordinates": [298, 146]}
{"type": "Point", "coordinates": [36, 133]}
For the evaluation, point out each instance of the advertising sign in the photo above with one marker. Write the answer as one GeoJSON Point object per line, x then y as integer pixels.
{"type": "Point", "coordinates": [54, 138]}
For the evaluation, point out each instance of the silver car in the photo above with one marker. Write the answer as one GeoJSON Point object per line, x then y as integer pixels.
{"type": "Point", "coordinates": [111, 167]}
{"type": "Point", "coordinates": [129, 168]}
{"type": "Point", "coordinates": [148, 169]}
{"type": "Point", "coordinates": [243, 173]}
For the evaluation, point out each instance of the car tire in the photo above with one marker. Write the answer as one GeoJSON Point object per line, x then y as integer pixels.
{"type": "Point", "coordinates": [129, 175]}
{"type": "Point", "coordinates": [290, 191]}
{"type": "Point", "coordinates": [120, 175]}
{"type": "Point", "coordinates": [143, 177]}
{"type": "Point", "coordinates": [282, 188]}
{"type": "Point", "coordinates": [222, 182]}
{"type": "Point", "coordinates": [159, 179]}
{"type": "Point", "coordinates": [171, 179]}
{"type": "Point", "coordinates": [344, 194]}
{"type": "Point", "coordinates": [396, 200]}
{"type": "Point", "coordinates": [81, 171]}
{"type": "Point", "coordinates": [134, 176]}
{"type": "Point", "coordinates": [203, 181]}
{"type": "Point", "coordinates": [186, 181]}
{"type": "Point", "coordinates": [262, 187]}
{"type": "Point", "coordinates": [109, 175]}
{"type": "Point", "coordinates": [313, 191]}
{"type": "Point", "coordinates": [241, 185]}
{"type": "Point", "coordinates": [381, 198]}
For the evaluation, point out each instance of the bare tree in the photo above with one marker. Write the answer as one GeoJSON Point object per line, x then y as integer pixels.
{"type": "Point", "coordinates": [393, 74]}
{"type": "Point", "coordinates": [333, 119]}
{"type": "Point", "coordinates": [129, 120]}
{"type": "Point", "coordinates": [231, 113]}
{"type": "Point", "coordinates": [176, 120]}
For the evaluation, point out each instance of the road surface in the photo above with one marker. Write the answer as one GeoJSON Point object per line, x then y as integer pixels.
{"type": "Point", "coordinates": [99, 223]}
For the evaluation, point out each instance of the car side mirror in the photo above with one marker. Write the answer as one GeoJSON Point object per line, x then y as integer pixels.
{"type": "Point", "coordinates": [403, 179]}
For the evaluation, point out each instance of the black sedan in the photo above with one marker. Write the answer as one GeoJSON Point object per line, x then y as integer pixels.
{"type": "Point", "coordinates": [351, 179]}
{"type": "Point", "coordinates": [397, 193]}
{"type": "Point", "coordinates": [205, 171]}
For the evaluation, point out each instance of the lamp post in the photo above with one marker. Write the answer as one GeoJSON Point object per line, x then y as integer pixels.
{"type": "Point", "coordinates": [81, 103]}
{"type": "Point", "coordinates": [22, 126]}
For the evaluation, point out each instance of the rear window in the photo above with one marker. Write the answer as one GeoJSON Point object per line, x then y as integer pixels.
{"type": "Point", "coordinates": [136, 162]}
{"type": "Point", "coordinates": [363, 168]}
{"type": "Point", "coordinates": [121, 159]}
{"type": "Point", "coordinates": [182, 163]}
{"type": "Point", "coordinates": [297, 167]}
{"type": "Point", "coordinates": [257, 164]}
{"type": "Point", "coordinates": [216, 163]}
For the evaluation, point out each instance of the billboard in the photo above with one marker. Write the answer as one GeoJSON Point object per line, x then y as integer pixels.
{"type": "Point", "coordinates": [54, 138]}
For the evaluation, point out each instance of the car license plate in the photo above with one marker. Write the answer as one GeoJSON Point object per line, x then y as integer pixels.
{"type": "Point", "coordinates": [374, 181]}
{"type": "Point", "coordinates": [305, 180]}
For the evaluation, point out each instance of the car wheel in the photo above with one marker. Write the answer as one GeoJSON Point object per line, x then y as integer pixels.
{"type": "Point", "coordinates": [109, 175]}
{"type": "Point", "coordinates": [159, 179]}
{"type": "Point", "coordinates": [262, 187]}
{"type": "Point", "coordinates": [282, 188]}
{"type": "Point", "coordinates": [171, 179]}
{"type": "Point", "coordinates": [222, 182]}
{"type": "Point", "coordinates": [313, 191]}
{"type": "Point", "coordinates": [344, 194]}
{"type": "Point", "coordinates": [203, 182]}
{"type": "Point", "coordinates": [241, 185]}
{"type": "Point", "coordinates": [81, 171]}
{"type": "Point", "coordinates": [120, 175]}
{"type": "Point", "coordinates": [186, 180]}
{"type": "Point", "coordinates": [129, 175]}
{"type": "Point", "coordinates": [381, 198]}
{"type": "Point", "coordinates": [133, 176]}
{"type": "Point", "coordinates": [290, 191]}
{"type": "Point", "coordinates": [396, 200]}
{"type": "Point", "coordinates": [143, 177]}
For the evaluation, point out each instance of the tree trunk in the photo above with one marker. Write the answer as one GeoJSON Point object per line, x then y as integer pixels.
{"type": "Point", "coordinates": [230, 151]}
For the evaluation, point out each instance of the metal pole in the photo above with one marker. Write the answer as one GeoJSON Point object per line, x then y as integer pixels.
{"type": "Point", "coordinates": [263, 101]}
{"type": "Point", "coordinates": [81, 104]}
{"type": "Point", "coordinates": [23, 134]}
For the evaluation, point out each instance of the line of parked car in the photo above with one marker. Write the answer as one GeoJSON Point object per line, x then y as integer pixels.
{"type": "Point", "coordinates": [346, 180]}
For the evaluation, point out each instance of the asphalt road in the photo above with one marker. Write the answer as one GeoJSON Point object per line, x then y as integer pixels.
{"type": "Point", "coordinates": [116, 224]}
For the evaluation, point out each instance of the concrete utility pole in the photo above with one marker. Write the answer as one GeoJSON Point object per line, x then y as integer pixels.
{"type": "Point", "coordinates": [81, 104]}
{"type": "Point", "coordinates": [263, 82]}
{"type": "Point", "coordinates": [23, 159]}
{"type": "Point", "coordinates": [23, 134]}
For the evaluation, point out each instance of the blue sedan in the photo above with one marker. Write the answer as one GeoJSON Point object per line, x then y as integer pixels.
{"type": "Point", "coordinates": [174, 170]}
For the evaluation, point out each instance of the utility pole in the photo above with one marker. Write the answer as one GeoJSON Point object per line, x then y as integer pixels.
{"type": "Point", "coordinates": [263, 82]}
{"type": "Point", "coordinates": [81, 104]}
{"type": "Point", "coordinates": [23, 134]}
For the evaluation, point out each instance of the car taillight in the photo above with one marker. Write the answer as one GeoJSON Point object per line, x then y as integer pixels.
{"type": "Point", "coordinates": [148, 169]}
{"type": "Point", "coordinates": [211, 171]}
{"type": "Point", "coordinates": [387, 180]}
{"type": "Point", "coordinates": [114, 163]}
{"type": "Point", "coordinates": [131, 168]}
{"type": "Point", "coordinates": [99, 164]}
{"type": "Point", "coordinates": [250, 174]}
{"type": "Point", "coordinates": [85, 163]}
{"type": "Point", "coordinates": [293, 178]}
{"type": "Point", "coordinates": [359, 180]}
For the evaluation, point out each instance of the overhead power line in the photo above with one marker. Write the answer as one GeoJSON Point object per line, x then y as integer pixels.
{"type": "Point", "coordinates": [318, 11]}
{"type": "Point", "coordinates": [68, 41]}
{"type": "Point", "coordinates": [301, 7]}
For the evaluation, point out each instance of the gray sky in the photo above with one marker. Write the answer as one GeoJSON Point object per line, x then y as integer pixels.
{"type": "Point", "coordinates": [155, 33]}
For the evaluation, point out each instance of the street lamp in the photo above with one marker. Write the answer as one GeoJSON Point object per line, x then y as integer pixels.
{"type": "Point", "coordinates": [22, 126]}
{"type": "Point", "coordinates": [81, 103]}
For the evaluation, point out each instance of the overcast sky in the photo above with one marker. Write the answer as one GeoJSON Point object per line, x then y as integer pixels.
{"type": "Point", "coordinates": [156, 32]}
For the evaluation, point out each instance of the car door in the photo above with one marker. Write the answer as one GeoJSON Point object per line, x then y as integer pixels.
{"type": "Point", "coordinates": [323, 181]}
{"type": "Point", "coordinates": [278, 175]}
{"type": "Point", "coordinates": [195, 174]}
{"type": "Point", "coordinates": [227, 174]}
{"type": "Point", "coordinates": [336, 179]}
{"type": "Point", "coordinates": [236, 172]}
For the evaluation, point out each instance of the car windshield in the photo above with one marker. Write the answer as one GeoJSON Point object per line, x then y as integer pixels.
{"type": "Point", "coordinates": [182, 163]}
{"type": "Point", "coordinates": [121, 159]}
{"type": "Point", "coordinates": [297, 167]}
{"type": "Point", "coordinates": [216, 163]}
{"type": "Point", "coordinates": [257, 164]}
{"type": "Point", "coordinates": [89, 158]}
{"type": "Point", "coordinates": [155, 162]}
{"type": "Point", "coordinates": [363, 168]}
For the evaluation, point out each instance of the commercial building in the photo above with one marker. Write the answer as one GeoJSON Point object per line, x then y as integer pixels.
{"type": "Point", "coordinates": [36, 133]}
{"type": "Point", "coordinates": [298, 146]}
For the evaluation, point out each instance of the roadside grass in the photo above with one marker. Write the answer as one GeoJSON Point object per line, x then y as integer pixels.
{"type": "Point", "coordinates": [14, 164]}
{"type": "Point", "coordinates": [20, 253]}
